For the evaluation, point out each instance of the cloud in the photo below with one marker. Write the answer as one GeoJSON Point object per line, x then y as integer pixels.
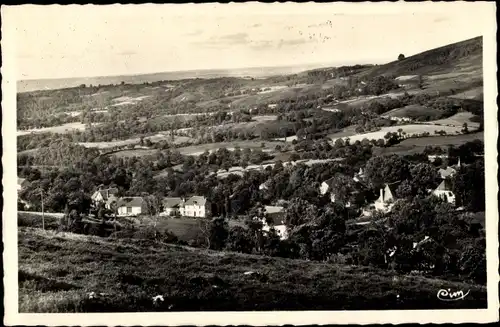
{"type": "Point", "coordinates": [256, 25]}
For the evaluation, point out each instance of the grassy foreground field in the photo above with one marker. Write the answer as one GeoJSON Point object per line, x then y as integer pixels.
{"type": "Point", "coordinates": [57, 272]}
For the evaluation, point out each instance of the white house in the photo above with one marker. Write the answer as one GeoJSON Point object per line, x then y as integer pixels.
{"type": "Point", "coordinates": [195, 206]}
{"type": "Point", "coordinates": [276, 216]}
{"type": "Point", "coordinates": [272, 105]}
{"type": "Point", "coordinates": [386, 199]}
{"type": "Point", "coordinates": [131, 206]}
{"type": "Point", "coordinates": [171, 206]}
{"type": "Point", "coordinates": [444, 191]}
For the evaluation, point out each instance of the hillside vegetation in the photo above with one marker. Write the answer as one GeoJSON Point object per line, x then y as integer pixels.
{"type": "Point", "coordinates": [435, 60]}
{"type": "Point", "coordinates": [130, 273]}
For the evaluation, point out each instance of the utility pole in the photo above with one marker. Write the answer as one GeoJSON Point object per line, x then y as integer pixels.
{"type": "Point", "coordinates": [41, 194]}
{"type": "Point", "coordinates": [43, 215]}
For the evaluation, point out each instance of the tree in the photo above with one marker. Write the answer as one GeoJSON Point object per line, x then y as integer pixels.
{"type": "Point", "coordinates": [424, 177]}
{"type": "Point", "coordinates": [218, 233]}
{"type": "Point", "coordinates": [401, 57]}
{"type": "Point", "coordinates": [465, 128]}
{"type": "Point", "coordinates": [469, 186]}
{"type": "Point", "coordinates": [386, 169]}
{"type": "Point", "coordinates": [240, 240]}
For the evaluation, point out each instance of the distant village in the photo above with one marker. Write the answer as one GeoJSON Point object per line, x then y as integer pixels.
{"type": "Point", "coordinates": [198, 206]}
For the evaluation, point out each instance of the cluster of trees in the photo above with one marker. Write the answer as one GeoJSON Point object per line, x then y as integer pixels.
{"type": "Point", "coordinates": [420, 234]}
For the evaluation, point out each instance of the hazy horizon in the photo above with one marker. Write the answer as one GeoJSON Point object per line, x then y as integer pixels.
{"type": "Point", "coordinates": [55, 42]}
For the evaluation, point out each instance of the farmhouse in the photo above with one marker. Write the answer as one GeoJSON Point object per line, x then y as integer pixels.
{"type": "Point", "coordinates": [272, 105]}
{"type": "Point", "coordinates": [102, 195]}
{"type": "Point", "coordinates": [195, 206]}
{"type": "Point", "coordinates": [131, 206]}
{"type": "Point", "coordinates": [275, 218]}
{"type": "Point", "coordinates": [445, 192]}
{"type": "Point", "coordinates": [171, 206]}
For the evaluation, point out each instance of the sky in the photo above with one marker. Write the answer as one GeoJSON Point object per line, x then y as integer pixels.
{"type": "Point", "coordinates": [80, 41]}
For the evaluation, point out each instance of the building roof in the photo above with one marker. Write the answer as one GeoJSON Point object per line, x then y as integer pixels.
{"type": "Point", "coordinates": [21, 181]}
{"type": "Point", "coordinates": [105, 193]}
{"type": "Point", "coordinates": [133, 201]}
{"type": "Point", "coordinates": [171, 202]}
{"type": "Point", "coordinates": [445, 185]}
{"type": "Point", "coordinates": [329, 182]}
{"type": "Point", "coordinates": [273, 209]}
{"type": "Point", "coordinates": [196, 200]}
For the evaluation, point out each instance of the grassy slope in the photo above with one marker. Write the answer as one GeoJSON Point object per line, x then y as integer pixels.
{"type": "Point", "coordinates": [433, 61]}
{"type": "Point", "coordinates": [417, 145]}
{"type": "Point", "coordinates": [56, 271]}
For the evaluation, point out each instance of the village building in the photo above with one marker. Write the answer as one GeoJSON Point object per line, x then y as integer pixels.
{"type": "Point", "coordinates": [195, 206]}
{"type": "Point", "coordinates": [131, 206]}
{"type": "Point", "coordinates": [444, 191]}
{"type": "Point", "coordinates": [171, 207]}
{"type": "Point", "coordinates": [275, 215]}
{"type": "Point", "coordinates": [272, 105]}
{"type": "Point", "coordinates": [102, 195]}
{"type": "Point", "coordinates": [387, 197]}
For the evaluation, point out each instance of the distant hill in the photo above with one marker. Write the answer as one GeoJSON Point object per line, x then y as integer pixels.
{"type": "Point", "coordinates": [440, 59]}
{"type": "Point", "coordinates": [255, 72]}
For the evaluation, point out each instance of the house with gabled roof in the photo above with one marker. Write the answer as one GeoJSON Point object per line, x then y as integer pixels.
{"type": "Point", "coordinates": [275, 218]}
{"type": "Point", "coordinates": [131, 206]}
{"type": "Point", "coordinates": [102, 195]}
{"type": "Point", "coordinates": [195, 206]}
{"type": "Point", "coordinates": [445, 191]}
{"type": "Point", "coordinates": [387, 196]}
{"type": "Point", "coordinates": [171, 206]}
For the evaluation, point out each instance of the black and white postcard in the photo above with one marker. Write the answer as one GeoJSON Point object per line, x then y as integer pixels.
{"type": "Point", "coordinates": [250, 163]}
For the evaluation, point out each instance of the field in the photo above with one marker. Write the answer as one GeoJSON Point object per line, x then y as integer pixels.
{"type": "Point", "coordinates": [196, 150]}
{"type": "Point", "coordinates": [58, 271]}
{"type": "Point", "coordinates": [417, 145]}
{"type": "Point", "coordinates": [458, 120]}
{"type": "Point", "coordinates": [412, 111]}
{"type": "Point", "coordinates": [409, 129]}
{"type": "Point", "coordinates": [136, 140]}
{"type": "Point", "coordinates": [66, 128]}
